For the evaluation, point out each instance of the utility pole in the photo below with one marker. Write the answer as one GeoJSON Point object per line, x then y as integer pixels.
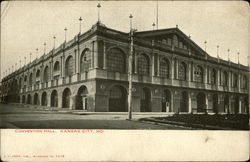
{"type": "Point", "coordinates": [130, 70]}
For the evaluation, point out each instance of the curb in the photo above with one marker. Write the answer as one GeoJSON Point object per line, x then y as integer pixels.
{"type": "Point", "coordinates": [186, 124]}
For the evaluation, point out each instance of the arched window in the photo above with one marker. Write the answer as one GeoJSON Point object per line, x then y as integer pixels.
{"type": "Point", "coordinates": [224, 79]}
{"type": "Point", "coordinates": [56, 67]}
{"type": "Point", "coordinates": [198, 74]}
{"type": "Point", "coordinates": [30, 79]}
{"type": "Point", "coordinates": [116, 60]}
{"type": "Point", "coordinates": [164, 68]}
{"type": "Point", "coordinates": [69, 66]}
{"type": "Point", "coordinates": [213, 77]}
{"type": "Point", "coordinates": [235, 80]}
{"type": "Point", "coordinates": [46, 74]}
{"type": "Point", "coordinates": [143, 65]}
{"type": "Point", "coordinates": [85, 61]}
{"type": "Point", "coordinates": [244, 81]}
{"type": "Point", "coordinates": [182, 71]}
{"type": "Point", "coordinates": [25, 79]}
{"type": "Point", "coordinates": [37, 74]}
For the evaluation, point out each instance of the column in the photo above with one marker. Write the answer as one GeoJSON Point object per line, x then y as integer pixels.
{"type": "Point", "coordinates": [189, 72]}
{"type": "Point", "coordinates": [206, 104]}
{"type": "Point", "coordinates": [177, 68]}
{"type": "Point", "coordinates": [77, 61]}
{"type": "Point", "coordinates": [136, 63]}
{"type": "Point", "coordinates": [153, 65]}
{"type": "Point", "coordinates": [95, 54]}
{"type": "Point", "coordinates": [172, 102]}
{"type": "Point", "coordinates": [189, 103]}
{"type": "Point", "coordinates": [172, 69]}
{"type": "Point", "coordinates": [158, 65]}
{"type": "Point", "coordinates": [62, 66]}
{"type": "Point", "coordinates": [205, 75]}
{"type": "Point", "coordinates": [104, 56]}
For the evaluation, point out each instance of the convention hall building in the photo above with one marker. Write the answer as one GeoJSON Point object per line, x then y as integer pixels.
{"type": "Point", "coordinates": [171, 73]}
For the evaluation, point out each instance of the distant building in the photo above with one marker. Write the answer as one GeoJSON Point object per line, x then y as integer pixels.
{"type": "Point", "coordinates": [171, 73]}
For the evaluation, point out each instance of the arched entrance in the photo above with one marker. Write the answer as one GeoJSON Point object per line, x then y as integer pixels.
{"type": "Point", "coordinates": [184, 102]}
{"type": "Point", "coordinates": [23, 99]}
{"type": "Point", "coordinates": [226, 104]}
{"type": "Point", "coordinates": [29, 99]}
{"type": "Point", "coordinates": [166, 101]}
{"type": "Point", "coordinates": [117, 99]}
{"type": "Point", "coordinates": [36, 99]}
{"type": "Point", "coordinates": [201, 102]}
{"type": "Point", "coordinates": [215, 103]}
{"type": "Point", "coordinates": [54, 99]}
{"type": "Point", "coordinates": [145, 100]}
{"type": "Point", "coordinates": [66, 98]}
{"type": "Point", "coordinates": [44, 99]}
{"type": "Point", "coordinates": [81, 98]}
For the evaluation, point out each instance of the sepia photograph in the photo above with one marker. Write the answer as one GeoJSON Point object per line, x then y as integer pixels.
{"type": "Point", "coordinates": [90, 67]}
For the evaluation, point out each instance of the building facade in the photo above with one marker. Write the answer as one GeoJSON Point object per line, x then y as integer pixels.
{"type": "Point", "coordinates": [171, 73]}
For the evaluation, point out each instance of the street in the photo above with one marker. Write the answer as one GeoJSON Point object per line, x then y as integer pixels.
{"type": "Point", "coordinates": [32, 118]}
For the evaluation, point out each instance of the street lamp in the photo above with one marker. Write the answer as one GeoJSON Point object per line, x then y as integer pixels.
{"type": "Point", "coordinates": [36, 52]}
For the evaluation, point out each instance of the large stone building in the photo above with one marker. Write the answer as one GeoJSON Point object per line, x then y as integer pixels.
{"type": "Point", "coordinates": [171, 73]}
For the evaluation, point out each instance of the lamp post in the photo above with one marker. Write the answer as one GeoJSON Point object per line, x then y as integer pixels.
{"type": "Point", "coordinates": [99, 6]}
{"type": "Point", "coordinates": [217, 51]}
{"type": "Point", "coordinates": [44, 48]}
{"type": "Point", "coordinates": [54, 45]}
{"type": "Point", "coordinates": [80, 21]}
{"type": "Point", "coordinates": [130, 70]}
{"type": "Point", "coordinates": [238, 53]}
{"type": "Point", "coordinates": [228, 54]}
{"type": "Point", "coordinates": [65, 29]}
{"type": "Point", "coordinates": [30, 56]}
{"type": "Point", "coordinates": [205, 46]}
{"type": "Point", "coordinates": [153, 26]}
{"type": "Point", "coordinates": [36, 52]}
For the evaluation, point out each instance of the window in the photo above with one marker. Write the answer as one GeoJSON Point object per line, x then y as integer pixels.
{"type": "Point", "coordinates": [244, 82]}
{"type": "Point", "coordinates": [46, 74]}
{"type": "Point", "coordinates": [164, 68]}
{"type": "Point", "coordinates": [116, 60]}
{"type": "Point", "coordinates": [143, 65]}
{"type": "Point", "coordinates": [30, 80]}
{"type": "Point", "coordinates": [213, 77]}
{"type": "Point", "coordinates": [198, 74]}
{"type": "Point", "coordinates": [182, 71]}
{"type": "Point", "coordinates": [85, 61]}
{"type": "Point", "coordinates": [235, 80]}
{"type": "Point", "coordinates": [69, 66]}
{"type": "Point", "coordinates": [56, 67]}
{"type": "Point", "coordinates": [224, 79]}
{"type": "Point", "coordinates": [115, 92]}
{"type": "Point", "coordinates": [175, 41]}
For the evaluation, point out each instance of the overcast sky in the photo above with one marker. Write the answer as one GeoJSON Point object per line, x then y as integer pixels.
{"type": "Point", "coordinates": [26, 25]}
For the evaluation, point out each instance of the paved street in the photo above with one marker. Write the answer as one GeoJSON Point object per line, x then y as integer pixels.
{"type": "Point", "coordinates": [29, 117]}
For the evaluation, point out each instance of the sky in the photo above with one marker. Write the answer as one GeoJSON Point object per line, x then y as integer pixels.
{"type": "Point", "coordinates": [26, 25]}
